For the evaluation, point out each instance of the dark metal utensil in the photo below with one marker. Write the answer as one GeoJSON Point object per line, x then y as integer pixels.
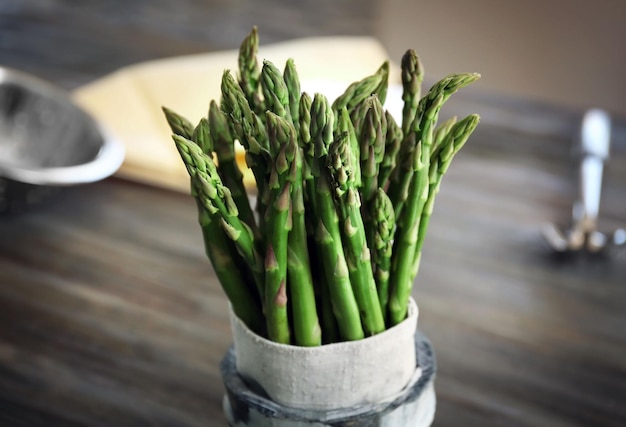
{"type": "Point", "coordinates": [46, 142]}
{"type": "Point", "coordinates": [584, 234]}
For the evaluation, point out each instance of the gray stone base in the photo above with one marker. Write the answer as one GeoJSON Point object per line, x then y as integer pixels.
{"type": "Point", "coordinates": [248, 406]}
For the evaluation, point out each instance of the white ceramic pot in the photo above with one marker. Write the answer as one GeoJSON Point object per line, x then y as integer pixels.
{"type": "Point", "coordinates": [387, 379]}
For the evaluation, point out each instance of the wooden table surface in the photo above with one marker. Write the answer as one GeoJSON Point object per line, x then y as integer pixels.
{"type": "Point", "coordinates": [110, 315]}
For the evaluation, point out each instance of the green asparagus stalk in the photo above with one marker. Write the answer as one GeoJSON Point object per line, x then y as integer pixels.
{"type": "Point", "coordinates": [292, 81]}
{"type": "Point", "coordinates": [220, 250]}
{"type": "Point", "coordinates": [249, 73]}
{"type": "Point", "coordinates": [275, 91]}
{"type": "Point", "coordinates": [406, 237]}
{"type": "Point", "coordinates": [201, 136]}
{"type": "Point", "coordinates": [393, 139]}
{"type": "Point", "coordinates": [341, 161]}
{"type": "Point", "coordinates": [308, 158]}
{"type": "Point", "coordinates": [326, 317]}
{"type": "Point", "coordinates": [381, 90]}
{"type": "Point", "coordinates": [372, 147]}
{"type": "Point", "coordinates": [358, 112]}
{"type": "Point", "coordinates": [412, 77]}
{"type": "Point", "coordinates": [304, 126]}
{"type": "Point", "coordinates": [224, 146]}
{"type": "Point", "coordinates": [249, 130]}
{"type": "Point", "coordinates": [441, 132]}
{"type": "Point", "coordinates": [179, 125]}
{"type": "Point", "coordinates": [327, 232]}
{"type": "Point", "coordinates": [403, 173]}
{"type": "Point", "coordinates": [246, 126]}
{"type": "Point", "coordinates": [306, 326]}
{"type": "Point", "coordinates": [357, 117]}
{"type": "Point", "coordinates": [278, 223]}
{"type": "Point", "coordinates": [217, 199]}
{"type": "Point", "coordinates": [345, 126]}
{"type": "Point", "coordinates": [441, 157]}
{"type": "Point", "coordinates": [408, 223]}
{"type": "Point", "coordinates": [227, 263]}
{"type": "Point", "coordinates": [358, 92]}
{"type": "Point", "coordinates": [382, 245]}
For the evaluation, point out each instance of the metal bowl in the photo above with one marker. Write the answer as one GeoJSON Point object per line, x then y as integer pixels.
{"type": "Point", "coordinates": [47, 142]}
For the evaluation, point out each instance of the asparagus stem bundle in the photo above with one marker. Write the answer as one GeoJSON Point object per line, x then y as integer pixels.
{"type": "Point", "coordinates": [444, 150]}
{"type": "Point", "coordinates": [412, 77]}
{"type": "Point", "coordinates": [357, 252]}
{"type": "Point", "coordinates": [344, 195]}
{"type": "Point", "coordinates": [306, 325]}
{"type": "Point", "coordinates": [224, 145]}
{"type": "Point", "coordinates": [282, 135]}
{"type": "Point", "coordinates": [327, 232]}
{"type": "Point", "coordinates": [249, 73]}
{"type": "Point", "coordinates": [382, 245]}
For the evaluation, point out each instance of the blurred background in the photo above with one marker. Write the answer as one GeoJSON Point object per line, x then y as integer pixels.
{"type": "Point", "coordinates": [106, 314]}
{"type": "Point", "coordinates": [559, 52]}
{"type": "Point", "coordinates": [556, 51]}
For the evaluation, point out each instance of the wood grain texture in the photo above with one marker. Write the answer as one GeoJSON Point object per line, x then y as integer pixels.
{"type": "Point", "coordinates": [110, 315]}
{"type": "Point", "coordinates": [72, 43]}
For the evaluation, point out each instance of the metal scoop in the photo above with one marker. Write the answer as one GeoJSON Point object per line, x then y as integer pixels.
{"type": "Point", "coordinates": [584, 235]}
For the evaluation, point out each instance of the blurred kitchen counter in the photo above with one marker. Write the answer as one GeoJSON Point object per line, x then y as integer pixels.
{"type": "Point", "coordinates": [110, 313]}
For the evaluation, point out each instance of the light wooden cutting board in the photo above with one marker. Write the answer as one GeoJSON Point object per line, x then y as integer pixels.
{"type": "Point", "coordinates": [128, 102]}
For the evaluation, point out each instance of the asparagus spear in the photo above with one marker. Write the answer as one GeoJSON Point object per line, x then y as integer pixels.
{"type": "Point", "coordinates": [224, 258]}
{"type": "Point", "coordinates": [393, 139]}
{"type": "Point", "coordinates": [441, 158]}
{"type": "Point", "coordinates": [224, 145]}
{"type": "Point", "coordinates": [326, 318]}
{"type": "Point", "coordinates": [357, 92]}
{"type": "Point", "coordinates": [403, 173]}
{"type": "Point", "coordinates": [327, 232]}
{"type": "Point", "coordinates": [382, 245]}
{"type": "Point", "coordinates": [201, 136]}
{"type": "Point", "coordinates": [357, 117]}
{"type": "Point", "coordinates": [275, 91]}
{"type": "Point", "coordinates": [406, 238]}
{"type": "Point", "coordinates": [381, 90]}
{"type": "Point", "coordinates": [408, 223]}
{"type": "Point", "coordinates": [441, 132]}
{"type": "Point", "coordinates": [308, 158]}
{"type": "Point", "coordinates": [412, 77]}
{"type": "Point", "coordinates": [358, 111]}
{"type": "Point", "coordinates": [341, 160]}
{"type": "Point", "coordinates": [306, 324]}
{"type": "Point", "coordinates": [249, 130]}
{"type": "Point", "coordinates": [282, 136]}
{"type": "Point", "coordinates": [249, 73]}
{"type": "Point", "coordinates": [292, 81]}
{"type": "Point", "coordinates": [304, 120]}
{"type": "Point", "coordinates": [179, 125]}
{"type": "Point", "coordinates": [345, 126]}
{"type": "Point", "coordinates": [220, 249]}
{"type": "Point", "coordinates": [217, 199]}
{"type": "Point", "coordinates": [372, 147]}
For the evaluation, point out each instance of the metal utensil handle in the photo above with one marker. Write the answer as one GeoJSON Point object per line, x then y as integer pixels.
{"type": "Point", "coordinates": [107, 161]}
{"type": "Point", "coordinates": [595, 136]}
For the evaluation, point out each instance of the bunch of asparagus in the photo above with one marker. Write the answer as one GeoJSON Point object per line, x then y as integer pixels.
{"type": "Point", "coordinates": [344, 196]}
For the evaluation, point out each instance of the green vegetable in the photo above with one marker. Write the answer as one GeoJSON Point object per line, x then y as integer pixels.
{"type": "Point", "coordinates": [249, 73]}
{"type": "Point", "coordinates": [341, 160]}
{"type": "Point", "coordinates": [344, 195]}
{"type": "Point", "coordinates": [282, 136]}
{"type": "Point", "coordinates": [454, 139]}
{"type": "Point", "coordinates": [224, 147]}
{"type": "Point", "coordinates": [327, 232]}
{"type": "Point", "coordinates": [382, 245]}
